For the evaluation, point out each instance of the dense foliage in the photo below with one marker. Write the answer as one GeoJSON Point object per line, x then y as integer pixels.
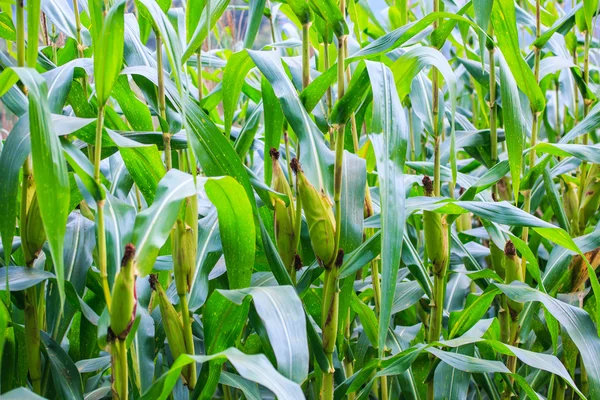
{"type": "Point", "coordinates": [384, 201]}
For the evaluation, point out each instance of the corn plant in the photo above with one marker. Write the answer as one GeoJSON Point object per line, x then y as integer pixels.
{"type": "Point", "coordinates": [299, 199]}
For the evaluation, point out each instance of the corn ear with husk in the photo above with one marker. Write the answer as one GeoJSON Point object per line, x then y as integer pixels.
{"type": "Point", "coordinates": [436, 234]}
{"type": "Point", "coordinates": [496, 258]}
{"type": "Point", "coordinates": [464, 222]}
{"type": "Point", "coordinates": [124, 296]}
{"type": "Point", "coordinates": [513, 272]}
{"type": "Point", "coordinates": [185, 241]}
{"type": "Point", "coordinates": [570, 200]}
{"type": "Point", "coordinates": [283, 215]}
{"type": "Point", "coordinates": [172, 325]}
{"type": "Point", "coordinates": [319, 217]}
{"type": "Point", "coordinates": [590, 197]}
{"type": "Point", "coordinates": [33, 235]}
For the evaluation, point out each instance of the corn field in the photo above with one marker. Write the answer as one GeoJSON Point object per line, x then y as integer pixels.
{"type": "Point", "coordinates": [299, 199]}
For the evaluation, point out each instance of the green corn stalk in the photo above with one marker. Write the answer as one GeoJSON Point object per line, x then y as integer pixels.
{"type": "Point", "coordinates": [586, 107]}
{"type": "Point", "coordinates": [436, 239]}
{"type": "Point", "coordinates": [120, 374]}
{"type": "Point", "coordinates": [32, 238]}
{"type": "Point", "coordinates": [162, 108]}
{"type": "Point", "coordinates": [492, 106]}
{"type": "Point", "coordinates": [80, 46]}
{"type": "Point", "coordinates": [101, 230]}
{"type": "Point", "coordinates": [437, 135]}
{"type": "Point", "coordinates": [305, 55]}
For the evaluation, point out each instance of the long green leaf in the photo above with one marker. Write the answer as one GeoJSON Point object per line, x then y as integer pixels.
{"type": "Point", "coordinates": [236, 226]}
{"type": "Point", "coordinates": [108, 43]}
{"type": "Point", "coordinates": [505, 29]}
{"type": "Point", "coordinates": [49, 165]}
{"type": "Point", "coordinates": [389, 138]}
{"type": "Point", "coordinates": [514, 126]}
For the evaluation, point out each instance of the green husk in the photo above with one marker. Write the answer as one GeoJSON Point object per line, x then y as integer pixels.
{"type": "Point", "coordinates": [514, 272]}
{"type": "Point", "coordinates": [570, 199]}
{"type": "Point", "coordinates": [185, 241]}
{"type": "Point", "coordinates": [436, 235]}
{"type": "Point", "coordinates": [590, 199]}
{"type": "Point", "coordinates": [319, 217]}
{"type": "Point", "coordinates": [33, 235]}
{"type": "Point", "coordinates": [464, 222]}
{"type": "Point", "coordinates": [497, 259]}
{"type": "Point", "coordinates": [283, 216]}
{"type": "Point", "coordinates": [172, 325]}
{"type": "Point", "coordinates": [122, 314]}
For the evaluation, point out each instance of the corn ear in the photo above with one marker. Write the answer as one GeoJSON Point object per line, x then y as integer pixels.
{"type": "Point", "coordinates": [284, 215]}
{"type": "Point", "coordinates": [590, 198]}
{"type": "Point", "coordinates": [185, 241]}
{"type": "Point", "coordinates": [278, 182]}
{"type": "Point", "coordinates": [33, 235]}
{"type": "Point", "coordinates": [171, 323]}
{"type": "Point", "coordinates": [514, 272]}
{"type": "Point", "coordinates": [464, 222]}
{"type": "Point", "coordinates": [571, 205]}
{"type": "Point", "coordinates": [284, 233]}
{"type": "Point", "coordinates": [436, 235]}
{"type": "Point", "coordinates": [124, 296]}
{"type": "Point", "coordinates": [497, 259]}
{"type": "Point", "coordinates": [319, 217]}
{"type": "Point", "coordinates": [171, 320]}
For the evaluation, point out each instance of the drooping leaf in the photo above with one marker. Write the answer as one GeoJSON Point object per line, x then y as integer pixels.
{"type": "Point", "coordinates": [236, 227]}
{"type": "Point", "coordinates": [280, 310]}
{"type": "Point", "coordinates": [316, 158]}
{"type": "Point", "coordinates": [66, 377]}
{"type": "Point", "coordinates": [576, 321]}
{"type": "Point", "coordinates": [21, 278]}
{"type": "Point", "coordinates": [505, 29]}
{"type": "Point", "coordinates": [255, 368]}
{"type": "Point", "coordinates": [153, 225]}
